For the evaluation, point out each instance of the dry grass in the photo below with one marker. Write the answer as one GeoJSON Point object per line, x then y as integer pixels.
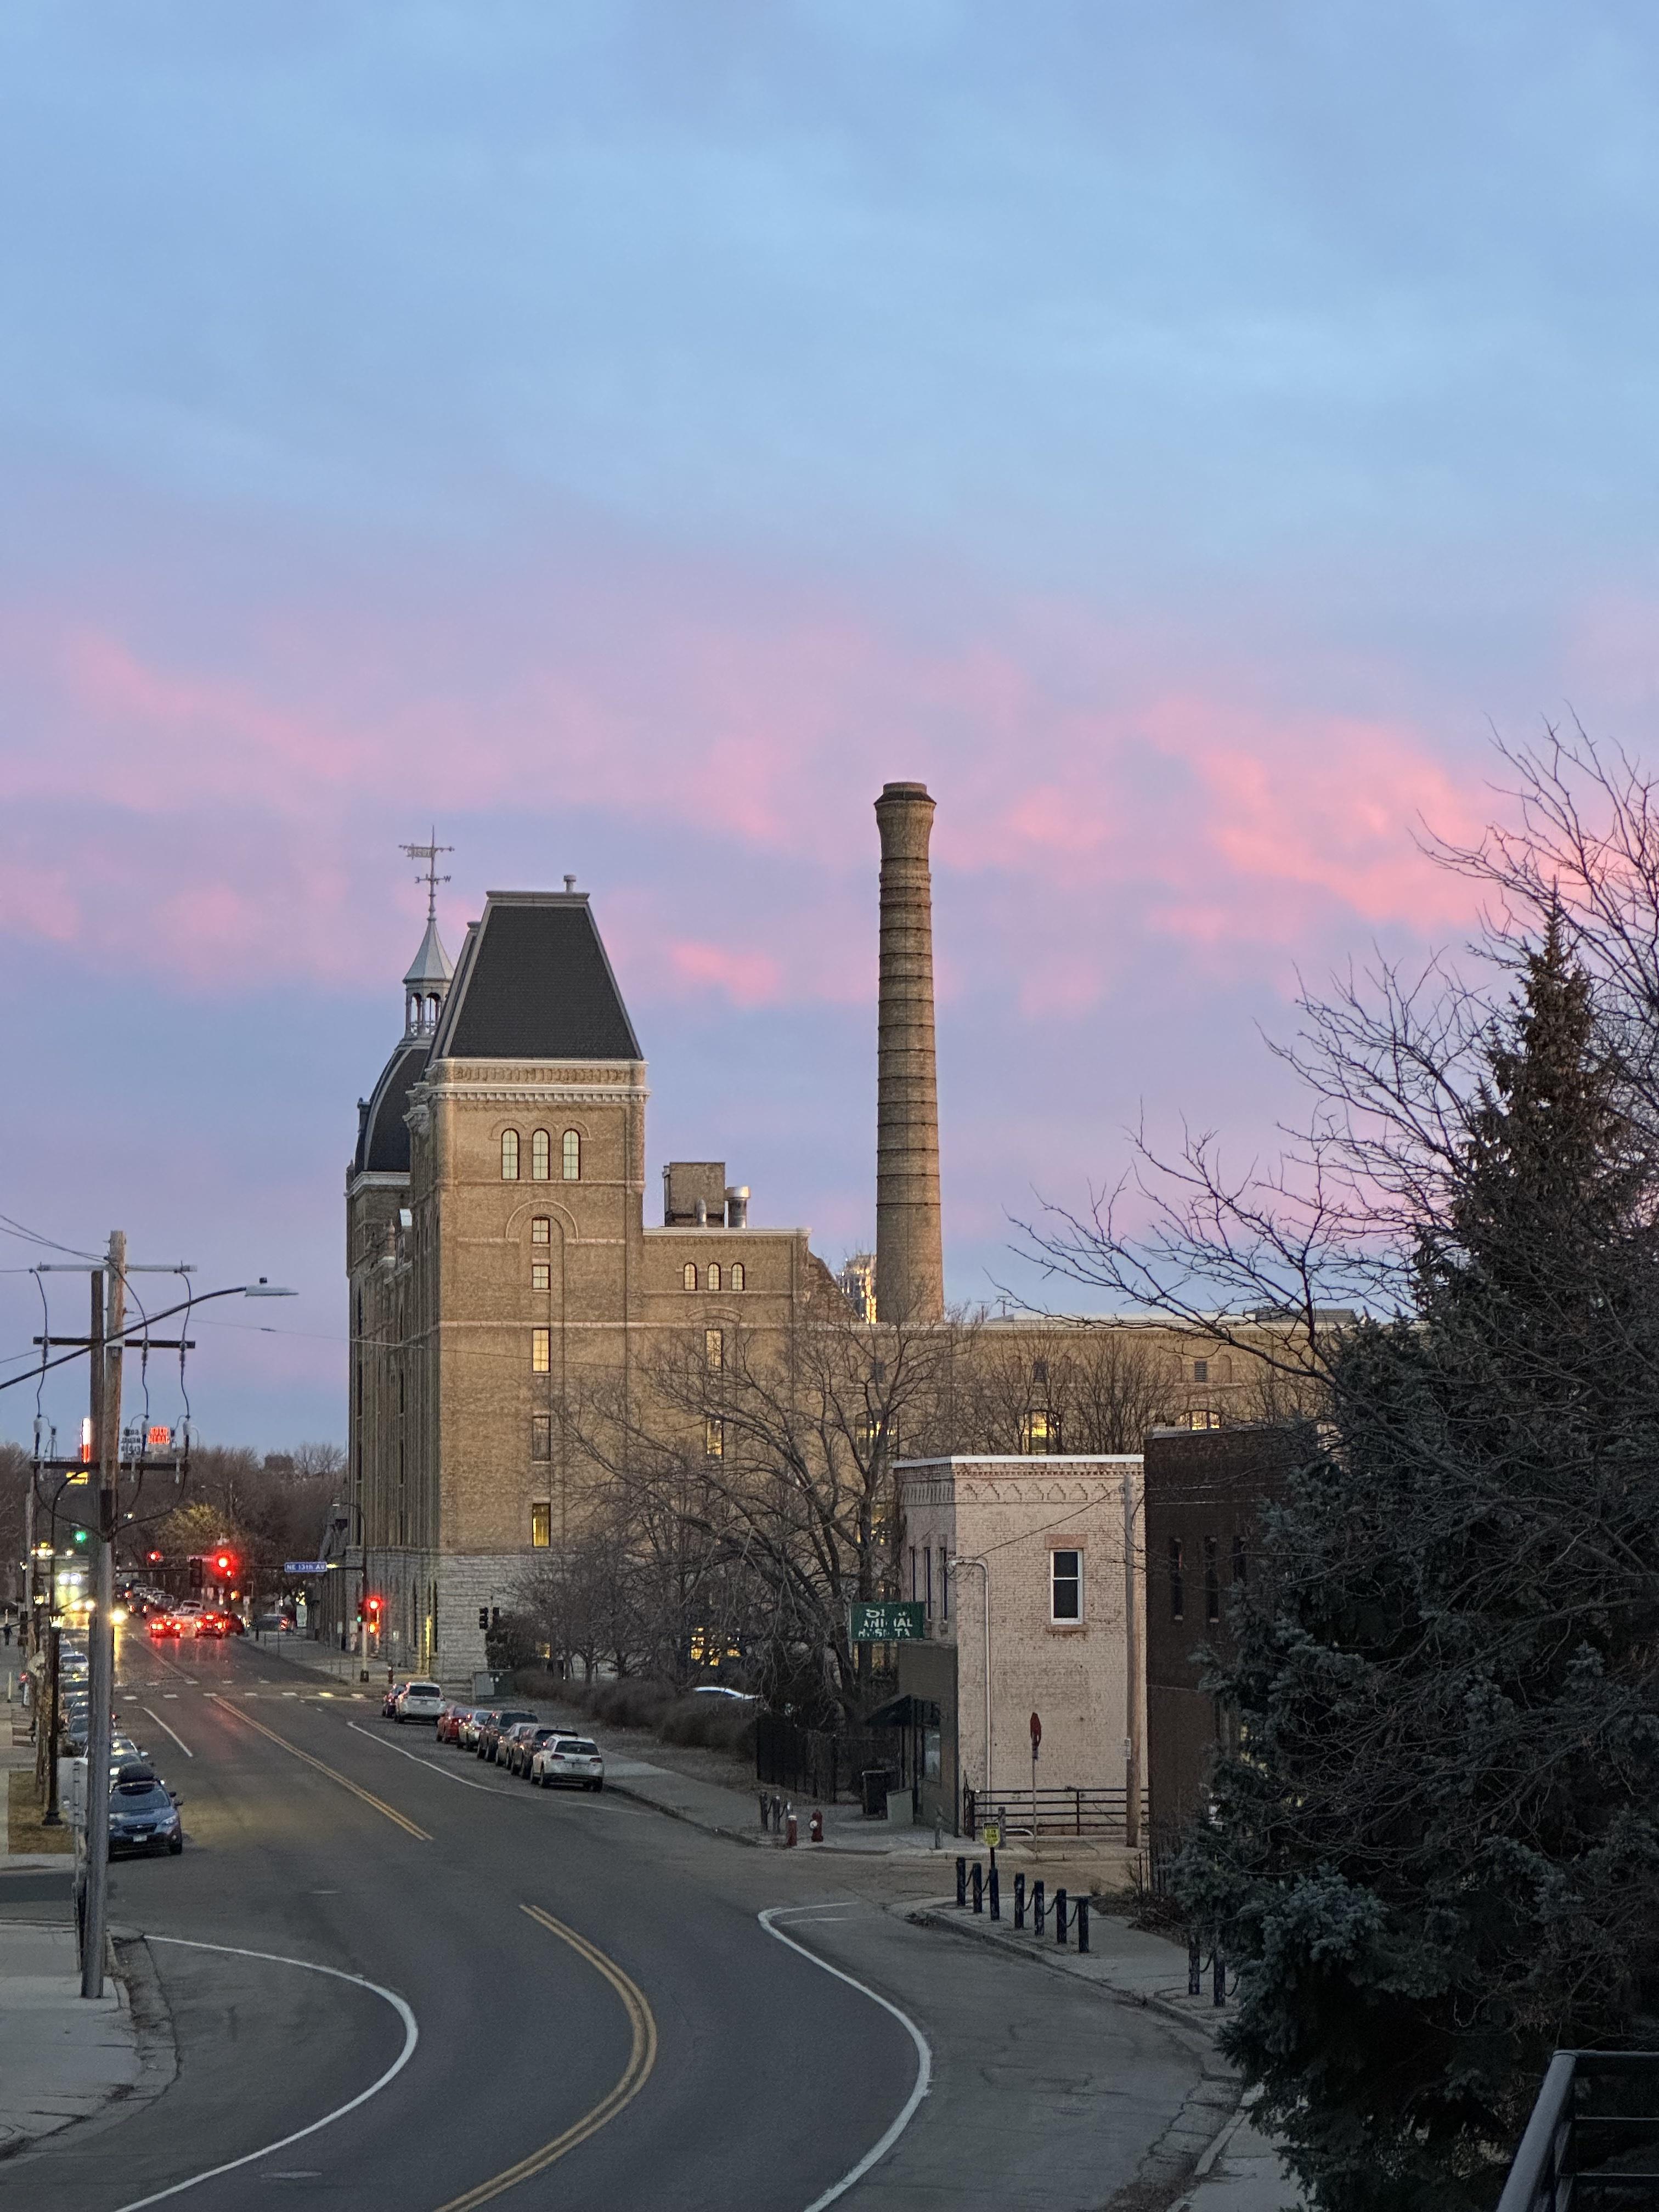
{"type": "Point", "coordinates": [23, 1829]}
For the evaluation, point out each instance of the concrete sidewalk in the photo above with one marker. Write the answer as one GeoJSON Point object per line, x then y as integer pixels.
{"type": "Point", "coordinates": [65, 2055]}
{"type": "Point", "coordinates": [1235, 2168]}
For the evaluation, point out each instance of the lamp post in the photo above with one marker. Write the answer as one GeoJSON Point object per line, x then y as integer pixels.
{"type": "Point", "coordinates": [954, 1565]}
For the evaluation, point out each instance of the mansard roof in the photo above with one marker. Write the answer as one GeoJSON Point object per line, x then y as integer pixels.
{"type": "Point", "coordinates": [383, 1139]}
{"type": "Point", "coordinates": [533, 983]}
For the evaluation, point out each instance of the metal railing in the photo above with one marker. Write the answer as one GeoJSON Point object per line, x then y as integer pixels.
{"type": "Point", "coordinates": [1049, 1812]}
{"type": "Point", "coordinates": [1592, 2144]}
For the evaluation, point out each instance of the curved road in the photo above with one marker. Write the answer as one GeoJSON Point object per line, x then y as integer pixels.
{"type": "Point", "coordinates": [603, 2022]}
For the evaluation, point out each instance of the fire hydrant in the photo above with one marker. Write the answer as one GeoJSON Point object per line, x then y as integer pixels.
{"type": "Point", "coordinates": [816, 1829]}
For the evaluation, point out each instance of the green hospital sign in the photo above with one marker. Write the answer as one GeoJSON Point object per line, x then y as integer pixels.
{"type": "Point", "coordinates": [889, 1620]}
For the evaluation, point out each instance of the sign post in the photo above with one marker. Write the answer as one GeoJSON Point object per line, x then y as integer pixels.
{"type": "Point", "coordinates": [1037, 1746]}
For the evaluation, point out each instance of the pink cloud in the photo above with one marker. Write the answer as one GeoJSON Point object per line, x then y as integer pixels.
{"type": "Point", "coordinates": [748, 979]}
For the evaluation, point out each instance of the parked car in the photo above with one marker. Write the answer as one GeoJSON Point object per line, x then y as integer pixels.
{"type": "Point", "coordinates": [419, 1701]}
{"type": "Point", "coordinates": [507, 1744]}
{"type": "Point", "coordinates": [452, 1720]}
{"type": "Point", "coordinates": [143, 1814]}
{"type": "Point", "coordinates": [568, 1761]}
{"type": "Point", "coordinates": [723, 1689]}
{"type": "Point", "coordinates": [523, 1744]}
{"type": "Point", "coordinates": [496, 1728]}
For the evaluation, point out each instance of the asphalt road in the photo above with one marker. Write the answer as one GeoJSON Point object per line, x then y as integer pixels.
{"type": "Point", "coordinates": [600, 2020]}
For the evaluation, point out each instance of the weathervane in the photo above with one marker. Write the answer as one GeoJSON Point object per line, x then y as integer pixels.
{"type": "Point", "coordinates": [430, 875]}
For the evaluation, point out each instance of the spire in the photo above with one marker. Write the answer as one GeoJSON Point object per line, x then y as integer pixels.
{"type": "Point", "coordinates": [427, 980]}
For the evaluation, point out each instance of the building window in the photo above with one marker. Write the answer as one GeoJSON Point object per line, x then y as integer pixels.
{"type": "Point", "coordinates": [913, 1572]}
{"type": "Point", "coordinates": [509, 1155]}
{"type": "Point", "coordinates": [714, 1349]}
{"type": "Point", "coordinates": [1223, 1367]}
{"type": "Point", "coordinates": [541, 1230]}
{"type": "Point", "coordinates": [713, 1278]}
{"type": "Point", "coordinates": [1039, 1371]}
{"type": "Point", "coordinates": [1239, 1575]}
{"type": "Point", "coordinates": [689, 1276]}
{"type": "Point", "coordinates": [541, 1351]}
{"type": "Point", "coordinates": [1199, 1417]}
{"type": "Point", "coordinates": [713, 1439]}
{"type": "Point", "coordinates": [1177, 1588]}
{"type": "Point", "coordinates": [573, 1157]}
{"type": "Point", "coordinates": [1066, 1585]}
{"type": "Point", "coordinates": [1212, 1583]}
{"type": "Point", "coordinates": [736, 1274]}
{"type": "Point", "coordinates": [540, 1435]}
{"type": "Point", "coordinates": [539, 1154]}
{"type": "Point", "coordinates": [1042, 1433]}
{"type": "Point", "coordinates": [1201, 1371]}
{"type": "Point", "coordinates": [541, 1275]}
{"type": "Point", "coordinates": [927, 1578]}
{"type": "Point", "coordinates": [541, 1526]}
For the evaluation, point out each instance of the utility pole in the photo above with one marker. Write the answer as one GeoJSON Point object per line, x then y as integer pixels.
{"type": "Point", "coordinates": [1132, 1669]}
{"type": "Point", "coordinates": [109, 1313]}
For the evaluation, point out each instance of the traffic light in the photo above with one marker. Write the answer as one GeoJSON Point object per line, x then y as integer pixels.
{"type": "Point", "coordinates": [82, 1534]}
{"type": "Point", "coordinates": [154, 1558]}
{"type": "Point", "coordinates": [371, 1607]}
{"type": "Point", "coordinates": [223, 1564]}
{"type": "Point", "coordinates": [195, 1576]}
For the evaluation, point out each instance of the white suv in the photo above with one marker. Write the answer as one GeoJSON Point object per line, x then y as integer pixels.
{"type": "Point", "coordinates": [419, 1701]}
{"type": "Point", "coordinates": [567, 1759]}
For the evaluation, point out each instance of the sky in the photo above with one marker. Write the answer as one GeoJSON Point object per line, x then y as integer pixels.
{"type": "Point", "coordinates": [626, 435]}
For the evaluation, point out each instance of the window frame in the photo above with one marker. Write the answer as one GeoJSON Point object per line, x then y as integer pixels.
{"type": "Point", "coordinates": [541, 1524]}
{"type": "Point", "coordinates": [541, 1351]}
{"type": "Point", "coordinates": [713, 1349]}
{"type": "Point", "coordinates": [541, 1439]}
{"type": "Point", "coordinates": [510, 1155]}
{"type": "Point", "coordinates": [541, 1156]}
{"type": "Point", "coordinates": [541, 1230]}
{"type": "Point", "coordinates": [541, 1275]}
{"type": "Point", "coordinates": [737, 1276]}
{"type": "Point", "coordinates": [1072, 1580]}
{"type": "Point", "coordinates": [688, 1276]}
{"type": "Point", "coordinates": [713, 1439]}
{"type": "Point", "coordinates": [712, 1281]}
{"type": "Point", "coordinates": [570, 1155]}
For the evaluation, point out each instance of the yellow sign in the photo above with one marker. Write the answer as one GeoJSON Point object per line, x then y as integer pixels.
{"type": "Point", "coordinates": [990, 1833]}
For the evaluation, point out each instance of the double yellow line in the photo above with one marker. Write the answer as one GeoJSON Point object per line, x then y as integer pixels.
{"type": "Point", "coordinates": [641, 2059]}
{"type": "Point", "coordinates": [378, 1804]}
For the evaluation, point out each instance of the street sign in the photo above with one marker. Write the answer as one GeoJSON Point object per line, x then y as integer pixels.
{"type": "Point", "coordinates": [889, 1620]}
{"type": "Point", "coordinates": [1036, 1735]}
{"type": "Point", "coordinates": [306, 1567]}
{"type": "Point", "coordinates": [990, 1833]}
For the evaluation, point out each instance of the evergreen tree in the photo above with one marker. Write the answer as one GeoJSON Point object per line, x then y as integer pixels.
{"type": "Point", "coordinates": [1435, 1852]}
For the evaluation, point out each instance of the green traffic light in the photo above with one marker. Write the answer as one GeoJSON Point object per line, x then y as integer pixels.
{"type": "Point", "coordinates": [80, 1535]}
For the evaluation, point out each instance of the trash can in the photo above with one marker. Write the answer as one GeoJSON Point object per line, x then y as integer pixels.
{"type": "Point", "coordinates": [873, 1783]}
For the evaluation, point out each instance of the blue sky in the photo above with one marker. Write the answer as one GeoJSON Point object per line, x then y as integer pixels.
{"type": "Point", "coordinates": [629, 435]}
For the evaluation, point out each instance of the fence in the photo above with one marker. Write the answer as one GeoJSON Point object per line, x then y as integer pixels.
{"type": "Point", "coordinates": [821, 1765]}
{"type": "Point", "coordinates": [1593, 2140]}
{"type": "Point", "coordinates": [1050, 1812]}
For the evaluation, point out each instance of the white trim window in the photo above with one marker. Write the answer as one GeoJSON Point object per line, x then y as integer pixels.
{"type": "Point", "coordinates": [1065, 1586]}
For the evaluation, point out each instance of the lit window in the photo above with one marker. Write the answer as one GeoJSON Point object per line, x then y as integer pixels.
{"type": "Point", "coordinates": [1066, 1584]}
{"type": "Point", "coordinates": [1212, 1583]}
{"type": "Point", "coordinates": [541, 1351]}
{"type": "Point", "coordinates": [541, 1526]}
{"type": "Point", "coordinates": [540, 1145]}
{"type": "Point", "coordinates": [509, 1155]}
{"type": "Point", "coordinates": [690, 1276]}
{"type": "Point", "coordinates": [1178, 1587]}
{"type": "Point", "coordinates": [573, 1157]}
{"type": "Point", "coordinates": [1201, 1371]}
{"type": "Point", "coordinates": [713, 1278]}
{"type": "Point", "coordinates": [541, 1275]}
{"type": "Point", "coordinates": [540, 1230]}
{"type": "Point", "coordinates": [713, 1439]}
{"type": "Point", "coordinates": [736, 1274]}
{"type": "Point", "coordinates": [540, 1435]}
{"type": "Point", "coordinates": [713, 1348]}
{"type": "Point", "coordinates": [1042, 1433]}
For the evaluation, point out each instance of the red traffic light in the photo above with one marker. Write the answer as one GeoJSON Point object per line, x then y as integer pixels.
{"type": "Point", "coordinates": [371, 1606]}
{"type": "Point", "coordinates": [156, 1558]}
{"type": "Point", "coordinates": [224, 1563]}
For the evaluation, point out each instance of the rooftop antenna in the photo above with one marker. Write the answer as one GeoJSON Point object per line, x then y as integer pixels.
{"type": "Point", "coordinates": [430, 875]}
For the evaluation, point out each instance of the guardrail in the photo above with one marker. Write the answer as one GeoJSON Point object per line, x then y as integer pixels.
{"type": "Point", "coordinates": [1592, 2144]}
{"type": "Point", "coordinates": [1049, 1812]}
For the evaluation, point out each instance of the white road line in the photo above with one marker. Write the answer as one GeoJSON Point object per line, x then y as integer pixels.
{"type": "Point", "coordinates": [873, 2156]}
{"type": "Point", "coordinates": [174, 1733]}
{"type": "Point", "coordinates": [448, 1774]}
{"type": "Point", "coordinates": [412, 2037]}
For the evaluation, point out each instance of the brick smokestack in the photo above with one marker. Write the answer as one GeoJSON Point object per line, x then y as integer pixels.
{"type": "Point", "coordinates": [910, 1248]}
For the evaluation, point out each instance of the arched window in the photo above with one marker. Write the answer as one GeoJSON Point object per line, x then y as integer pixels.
{"type": "Point", "coordinates": [713, 1278]}
{"type": "Point", "coordinates": [509, 1155]}
{"type": "Point", "coordinates": [689, 1277]}
{"type": "Point", "coordinates": [573, 1157]}
{"type": "Point", "coordinates": [736, 1274]}
{"type": "Point", "coordinates": [540, 1146]}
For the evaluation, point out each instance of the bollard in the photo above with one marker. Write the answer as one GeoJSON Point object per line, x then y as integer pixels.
{"type": "Point", "coordinates": [765, 1823]}
{"type": "Point", "coordinates": [1059, 1918]}
{"type": "Point", "coordinates": [978, 1879]}
{"type": "Point", "coordinates": [790, 1837]}
{"type": "Point", "coordinates": [962, 1882]}
{"type": "Point", "coordinates": [1220, 1977]}
{"type": "Point", "coordinates": [1194, 1968]}
{"type": "Point", "coordinates": [815, 1825]}
{"type": "Point", "coordinates": [1036, 1908]}
{"type": "Point", "coordinates": [1083, 1924]}
{"type": "Point", "coordinates": [938, 1832]}
{"type": "Point", "coordinates": [996, 1894]}
{"type": "Point", "coordinates": [1019, 1900]}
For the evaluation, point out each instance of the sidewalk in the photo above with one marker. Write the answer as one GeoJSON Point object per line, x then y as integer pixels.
{"type": "Point", "coordinates": [66, 2056]}
{"type": "Point", "coordinates": [1233, 2167]}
